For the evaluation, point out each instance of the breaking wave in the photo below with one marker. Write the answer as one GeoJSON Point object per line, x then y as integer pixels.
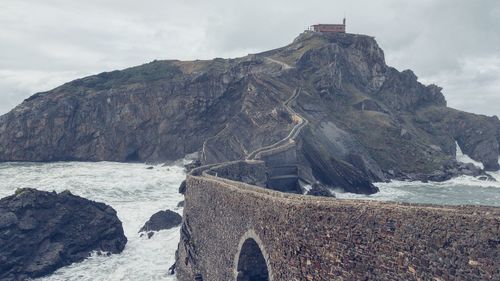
{"type": "Point", "coordinates": [463, 190]}
{"type": "Point", "coordinates": [137, 192]}
{"type": "Point", "coordinates": [134, 191]}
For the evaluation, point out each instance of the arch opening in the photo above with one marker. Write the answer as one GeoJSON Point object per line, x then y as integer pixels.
{"type": "Point", "coordinates": [251, 263]}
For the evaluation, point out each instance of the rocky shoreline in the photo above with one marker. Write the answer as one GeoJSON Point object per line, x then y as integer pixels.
{"type": "Point", "coordinates": [453, 170]}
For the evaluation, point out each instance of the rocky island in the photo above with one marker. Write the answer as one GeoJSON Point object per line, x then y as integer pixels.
{"type": "Point", "coordinates": [366, 121]}
{"type": "Point", "coordinates": [322, 112]}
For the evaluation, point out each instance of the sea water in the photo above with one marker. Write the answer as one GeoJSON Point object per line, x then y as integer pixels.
{"type": "Point", "coordinates": [136, 193]}
{"type": "Point", "coordinates": [463, 190]}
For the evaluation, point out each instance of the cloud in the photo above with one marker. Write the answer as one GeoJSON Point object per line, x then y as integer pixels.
{"type": "Point", "coordinates": [474, 86]}
{"type": "Point", "coordinates": [45, 43]}
{"type": "Point", "coordinates": [19, 84]}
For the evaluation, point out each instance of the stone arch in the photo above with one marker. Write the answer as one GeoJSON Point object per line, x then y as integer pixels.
{"type": "Point", "coordinates": [252, 261]}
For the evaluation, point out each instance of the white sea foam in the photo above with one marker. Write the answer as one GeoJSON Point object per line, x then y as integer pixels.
{"type": "Point", "coordinates": [307, 188]}
{"type": "Point", "coordinates": [464, 158]}
{"type": "Point", "coordinates": [457, 191]}
{"type": "Point", "coordinates": [134, 191]}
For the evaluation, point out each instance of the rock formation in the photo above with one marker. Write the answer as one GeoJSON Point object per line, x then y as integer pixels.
{"type": "Point", "coordinates": [162, 220]}
{"type": "Point", "coordinates": [320, 190]}
{"type": "Point", "coordinates": [182, 187]}
{"type": "Point", "coordinates": [366, 121]}
{"type": "Point", "coordinates": [43, 231]}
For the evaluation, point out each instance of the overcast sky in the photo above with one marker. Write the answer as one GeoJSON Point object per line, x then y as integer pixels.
{"type": "Point", "coordinates": [452, 43]}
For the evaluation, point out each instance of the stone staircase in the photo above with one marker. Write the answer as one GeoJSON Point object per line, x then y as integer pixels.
{"type": "Point", "coordinates": [282, 170]}
{"type": "Point", "coordinates": [281, 157]}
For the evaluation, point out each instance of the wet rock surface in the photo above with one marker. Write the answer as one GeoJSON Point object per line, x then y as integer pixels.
{"type": "Point", "coordinates": [162, 220]}
{"type": "Point", "coordinates": [448, 171]}
{"type": "Point", "coordinates": [182, 187]}
{"type": "Point", "coordinates": [318, 189]}
{"type": "Point", "coordinates": [43, 231]}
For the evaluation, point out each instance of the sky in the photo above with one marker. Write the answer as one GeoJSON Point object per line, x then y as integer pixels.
{"type": "Point", "coordinates": [452, 43]}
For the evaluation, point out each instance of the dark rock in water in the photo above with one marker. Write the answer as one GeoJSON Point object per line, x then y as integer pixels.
{"type": "Point", "coordinates": [149, 234]}
{"type": "Point", "coordinates": [171, 269]}
{"type": "Point", "coordinates": [43, 231]}
{"type": "Point", "coordinates": [162, 220]}
{"type": "Point", "coordinates": [182, 187]}
{"type": "Point", "coordinates": [180, 204]}
{"type": "Point", "coordinates": [486, 178]}
{"type": "Point", "coordinates": [437, 176]}
{"type": "Point", "coordinates": [150, 168]}
{"type": "Point", "coordinates": [449, 170]}
{"type": "Point", "coordinates": [195, 164]}
{"type": "Point", "coordinates": [318, 189]}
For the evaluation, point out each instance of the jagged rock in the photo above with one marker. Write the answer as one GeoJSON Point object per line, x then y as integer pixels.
{"type": "Point", "coordinates": [43, 231]}
{"type": "Point", "coordinates": [449, 170]}
{"type": "Point", "coordinates": [318, 189]}
{"type": "Point", "coordinates": [438, 176]}
{"type": "Point", "coordinates": [171, 269]}
{"type": "Point", "coordinates": [365, 118]}
{"type": "Point", "coordinates": [182, 187]}
{"type": "Point", "coordinates": [334, 172]}
{"type": "Point", "coordinates": [162, 220]}
{"type": "Point", "coordinates": [194, 164]}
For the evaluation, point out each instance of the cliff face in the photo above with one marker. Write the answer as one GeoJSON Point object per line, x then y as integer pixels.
{"type": "Point", "coordinates": [366, 119]}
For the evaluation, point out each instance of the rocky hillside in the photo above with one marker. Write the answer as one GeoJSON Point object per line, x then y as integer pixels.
{"type": "Point", "coordinates": [366, 120]}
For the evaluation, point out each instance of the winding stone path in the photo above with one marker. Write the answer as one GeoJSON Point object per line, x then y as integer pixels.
{"type": "Point", "coordinates": [290, 137]}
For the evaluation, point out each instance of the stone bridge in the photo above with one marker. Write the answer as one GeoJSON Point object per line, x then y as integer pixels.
{"type": "Point", "coordinates": [238, 225]}
{"type": "Point", "coordinates": [233, 229]}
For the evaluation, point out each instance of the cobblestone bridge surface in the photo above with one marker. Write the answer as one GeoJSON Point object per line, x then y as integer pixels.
{"type": "Point", "coordinates": [236, 231]}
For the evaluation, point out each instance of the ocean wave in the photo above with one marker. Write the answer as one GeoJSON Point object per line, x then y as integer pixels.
{"type": "Point", "coordinates": [133, 190]}
{"type": "Point", "coordinates": [462, 190]}
{"type": "Point", "coordinates": [464, 158]}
